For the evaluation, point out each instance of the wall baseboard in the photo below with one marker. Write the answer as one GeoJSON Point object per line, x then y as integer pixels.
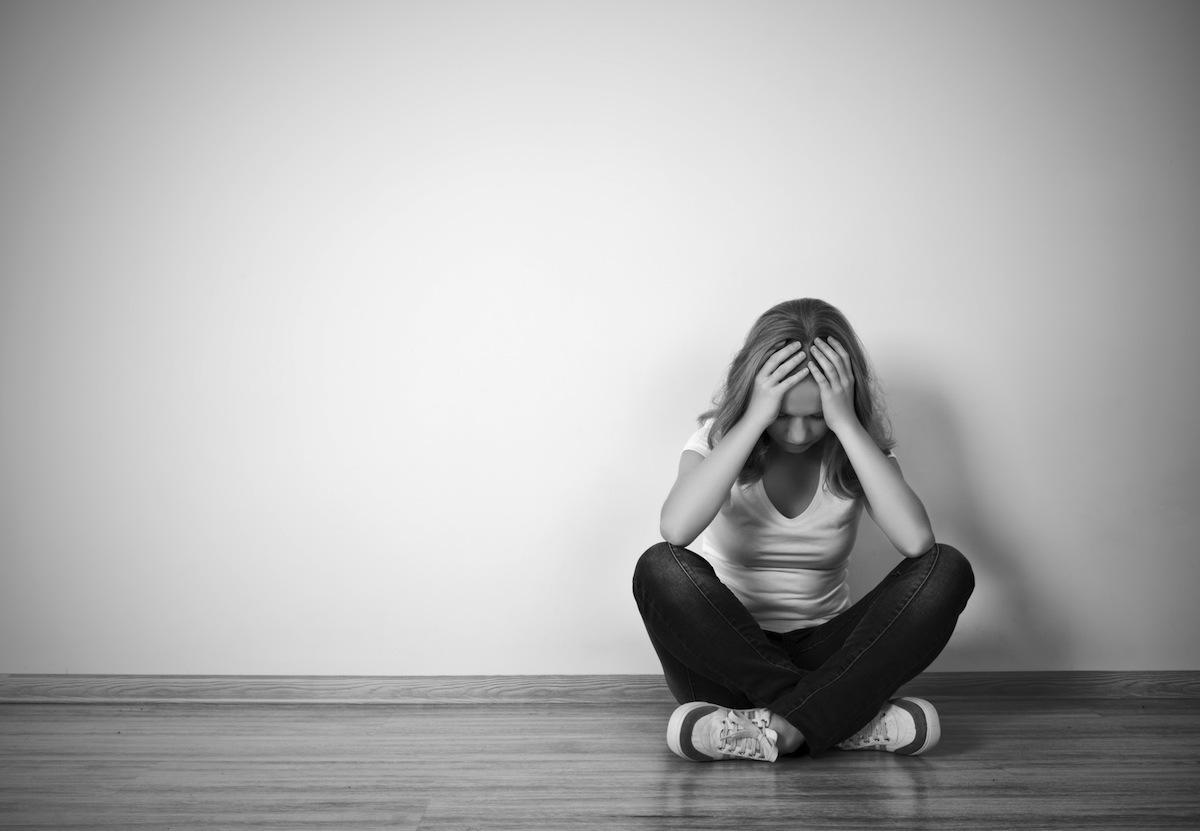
{"type": "Point", "coordinates": [536, 689]}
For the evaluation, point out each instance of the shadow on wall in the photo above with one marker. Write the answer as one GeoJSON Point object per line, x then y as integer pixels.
{"type": "Point", "coordinates": [1010, 621]}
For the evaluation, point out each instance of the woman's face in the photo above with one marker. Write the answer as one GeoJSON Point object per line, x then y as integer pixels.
{"type": "Point", "coordinates": [799, 426]}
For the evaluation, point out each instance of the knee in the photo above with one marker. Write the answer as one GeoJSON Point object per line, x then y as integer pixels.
{"type": "Point", "coordinates": [953, 575]}
{"type": "Point", "coordinates": [666, 570]}
{"type": "Point", "coordinates": [656, 566]}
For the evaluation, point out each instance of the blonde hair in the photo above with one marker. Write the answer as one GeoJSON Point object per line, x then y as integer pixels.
{"type": "Point", "coordinates": [801, 320]}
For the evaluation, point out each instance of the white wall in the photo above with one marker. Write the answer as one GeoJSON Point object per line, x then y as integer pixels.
{"type": "Point", "coordinates": [362, 338]}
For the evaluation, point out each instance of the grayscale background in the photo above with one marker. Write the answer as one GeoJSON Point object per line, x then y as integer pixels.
{"type": "Point", "coordinates": [363, 337]}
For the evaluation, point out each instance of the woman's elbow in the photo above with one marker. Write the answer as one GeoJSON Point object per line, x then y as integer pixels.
{"type": "Point", "coordinates": [677, 540]}
{"type": "Point", "coordinates": [916, 546]}
{"type": "Point", "coordinates": [675, 536]}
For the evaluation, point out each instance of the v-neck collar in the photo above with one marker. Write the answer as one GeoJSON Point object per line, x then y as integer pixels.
{"type": "Point", "coordinates": [766, 498]}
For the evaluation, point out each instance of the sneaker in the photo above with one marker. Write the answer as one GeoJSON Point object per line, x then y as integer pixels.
{"type": "Point", "coordinates": [905, 725]}
{"type": "Point", "coordinates": [710, 733]}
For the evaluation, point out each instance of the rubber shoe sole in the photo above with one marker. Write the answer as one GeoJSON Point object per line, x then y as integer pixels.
{"type": "Point", "coordinates": [929, 728]}
{"type": "Point", "coordinates": [679, 730]}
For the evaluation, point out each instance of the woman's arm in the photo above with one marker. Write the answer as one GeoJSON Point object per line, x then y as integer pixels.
{"type": "Point", "coordinates": [896, 509]}
{"type": "Point", "coordinates": [891, 502]}
{"type": "Point", "coordinates": [703, 483]}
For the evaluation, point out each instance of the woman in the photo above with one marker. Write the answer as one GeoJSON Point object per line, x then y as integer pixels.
{"type": "Point", "coordinates": [746, 601]}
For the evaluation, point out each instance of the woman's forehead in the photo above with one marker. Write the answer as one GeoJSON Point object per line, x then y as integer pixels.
{"type": "Point", "coordinates": [803, 399]}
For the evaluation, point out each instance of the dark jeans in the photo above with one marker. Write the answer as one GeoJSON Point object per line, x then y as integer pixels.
{"type": "Point", "coordinates": [828, 680]}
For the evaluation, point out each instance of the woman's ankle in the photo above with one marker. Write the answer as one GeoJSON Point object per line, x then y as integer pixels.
{"type": "Point", "coordinates": [790, 739]}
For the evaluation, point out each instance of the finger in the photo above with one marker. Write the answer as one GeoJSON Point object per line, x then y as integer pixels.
{"type": "Point", "coordinates": [846, 362]}
{"type": "Point", "coordinates": [819, 377]}
{"type": "Point", "coordinates": [795, 379]}
{"type": "Point", "coordinates": [827, 365]}
{"type": "Point", "coordinates": [787, 366]}
{"type": "Point", "coordinates": [841, 350]}
{"type": "Point", "coordinates": [836, 370]}
{"type": "Point", "coordinates": [777, 357]}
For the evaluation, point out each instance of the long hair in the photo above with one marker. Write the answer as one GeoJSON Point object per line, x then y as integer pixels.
{"type": "Point", "coordinates": [802, 320]}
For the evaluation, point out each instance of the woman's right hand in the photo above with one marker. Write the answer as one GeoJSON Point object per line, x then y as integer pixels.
{"type": "Point", "coordinates": [772, 383]}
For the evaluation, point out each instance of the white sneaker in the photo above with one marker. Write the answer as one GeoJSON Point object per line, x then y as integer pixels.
{"type": "Point", "coordinates": [905, 725]}
{"type": "Point", "coordinates": [710, 733]}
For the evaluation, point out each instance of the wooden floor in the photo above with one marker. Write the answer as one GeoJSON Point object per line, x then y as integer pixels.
{"type": "Point", "coordinates": [1003, 763]}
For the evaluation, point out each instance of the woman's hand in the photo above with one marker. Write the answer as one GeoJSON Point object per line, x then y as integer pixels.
{"type": "Point", "coordinates": [835, 377]}
{"type": "Point", "coordinates": [771, 384]}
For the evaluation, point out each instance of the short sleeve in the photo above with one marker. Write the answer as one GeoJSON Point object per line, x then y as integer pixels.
{"type": "Point", "coordinates": [699, 439]}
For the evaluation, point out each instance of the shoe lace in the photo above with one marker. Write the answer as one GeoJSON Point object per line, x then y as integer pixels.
{"type": "Point", "coordinates": [878, 731]}
{"type": "Point", "coordinates": [744, 737]}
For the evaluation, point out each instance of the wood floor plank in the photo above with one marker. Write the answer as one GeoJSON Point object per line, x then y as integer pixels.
{"type": "Point", "coordinates": [533, 689]}
{"type": "Point", "coordinates": [1003, 763]}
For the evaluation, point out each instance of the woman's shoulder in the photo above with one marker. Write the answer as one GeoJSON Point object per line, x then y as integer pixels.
{"type": "Point", "coordinates": [698, 440]}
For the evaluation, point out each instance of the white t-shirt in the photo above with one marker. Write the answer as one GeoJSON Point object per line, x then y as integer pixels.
{"type": "Point", "coordinates": [789, 573]}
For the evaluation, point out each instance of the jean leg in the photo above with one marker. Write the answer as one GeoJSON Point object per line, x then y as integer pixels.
{"type": "Point", "coordinates": [697, 623]}
{"type": "Point", "coordinates": [876, 646]}
{"type": "Point", "coordinates": [687, 685]}
{"type": "Point", "coordinates": [809, 648]}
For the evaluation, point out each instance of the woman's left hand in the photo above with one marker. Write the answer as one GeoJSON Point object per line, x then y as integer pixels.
{"type": "Point", "coordinates": [834, 375]}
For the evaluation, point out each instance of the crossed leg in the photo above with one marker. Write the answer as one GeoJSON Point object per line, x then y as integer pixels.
{"type": "Point", "coordinates": [825, 681]}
